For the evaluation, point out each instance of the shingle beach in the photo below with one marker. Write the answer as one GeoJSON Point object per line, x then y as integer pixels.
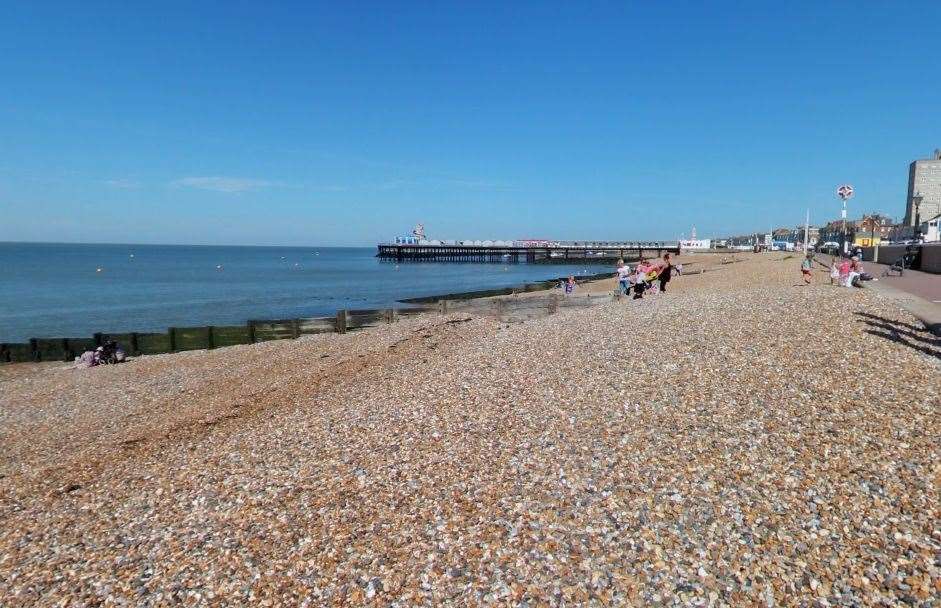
{"type": "Point", "coordinates": [739, 441]}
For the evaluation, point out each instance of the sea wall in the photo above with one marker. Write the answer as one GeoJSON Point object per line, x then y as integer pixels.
{"type": "Point", "coordinates": [928, 258]}
{"type": "Point", "coordinates": [931, 258]}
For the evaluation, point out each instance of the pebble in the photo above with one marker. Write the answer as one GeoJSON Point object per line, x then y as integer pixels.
{"type": "Point", "coordinates": [675, 450]}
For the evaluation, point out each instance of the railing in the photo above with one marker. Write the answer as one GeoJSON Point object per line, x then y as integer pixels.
{"type": "Point", "coordinates": [555, 245]}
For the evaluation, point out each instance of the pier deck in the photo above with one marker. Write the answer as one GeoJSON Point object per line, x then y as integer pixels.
{"type": "Point", "coordinates": [560, 254]}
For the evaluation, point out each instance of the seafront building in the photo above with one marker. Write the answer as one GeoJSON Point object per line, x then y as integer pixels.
{"type": "Point", "coordinates": [931, 229]}
{"type": "Point", "coordinates": [924, 190]}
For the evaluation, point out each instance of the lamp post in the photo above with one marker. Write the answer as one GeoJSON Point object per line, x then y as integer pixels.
{"type": "Point", "coordinates": [845, 192]}
{"type": "Point", "coordinates": [845, 238]}
{"type": "Point", "coordinates": [916, 201]}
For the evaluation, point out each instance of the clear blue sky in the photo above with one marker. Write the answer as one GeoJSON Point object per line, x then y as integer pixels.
{"type": "Point", "coordinates": [305, 123]}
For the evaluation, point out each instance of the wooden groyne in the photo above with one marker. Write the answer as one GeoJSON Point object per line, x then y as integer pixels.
{"type": "Point", "coordinates": [177, 339]}
{"type": "Point", "coordinates": [558, 254]}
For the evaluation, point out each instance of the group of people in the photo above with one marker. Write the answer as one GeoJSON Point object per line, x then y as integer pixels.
{"type": "Point", "coordinates": [846, 272]}
{"type": "Point", "coordinates": [108, 353]}
{"type": "Point", "coordinates": [648, 276]}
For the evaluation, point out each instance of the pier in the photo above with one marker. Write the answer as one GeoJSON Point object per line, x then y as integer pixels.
{"type": "Point", "coordinates": [548, 254]}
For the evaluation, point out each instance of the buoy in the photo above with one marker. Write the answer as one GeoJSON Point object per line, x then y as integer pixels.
{"type": "Point", "coordinates": [132, 255]}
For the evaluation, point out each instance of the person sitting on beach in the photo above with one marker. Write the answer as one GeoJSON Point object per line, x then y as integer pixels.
{"type": "Point", "coordinates": [844, 272]}
{"type": "Point", "coordinates": [624, 278]}
{"type": "Point", "coordinates": [856, 272]}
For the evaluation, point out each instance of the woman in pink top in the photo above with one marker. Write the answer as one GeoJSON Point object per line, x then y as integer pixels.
{"type": "Point", "coordinates": [844, 272]}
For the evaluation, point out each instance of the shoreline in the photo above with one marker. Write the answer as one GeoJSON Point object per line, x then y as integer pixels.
{"type": "Point", "coordinates": [67, 291]}
{"type": "Point", "coordinates": [49, 350]}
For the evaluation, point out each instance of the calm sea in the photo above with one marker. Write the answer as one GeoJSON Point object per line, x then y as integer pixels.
{"type": "Point", "coordinates": [57, 290]}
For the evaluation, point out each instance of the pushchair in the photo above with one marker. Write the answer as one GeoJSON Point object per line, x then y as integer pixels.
{"type": "Point", "coordinates": [109, 353]}
{"type": "Point", "coordinates": [900, 265]}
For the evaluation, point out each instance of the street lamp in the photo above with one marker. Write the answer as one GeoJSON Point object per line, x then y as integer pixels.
{"type": "Point", "coordinates": [845, 192]}
{"type": "Point", "coordinates": [916, 201]}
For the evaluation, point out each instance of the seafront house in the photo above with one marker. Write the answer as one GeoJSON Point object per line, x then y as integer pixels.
{"type": "Point", "coordinates": [931, 229]}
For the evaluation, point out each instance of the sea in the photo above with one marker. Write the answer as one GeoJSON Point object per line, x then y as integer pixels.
{"type": "Point", "coordinates": [74, 290]}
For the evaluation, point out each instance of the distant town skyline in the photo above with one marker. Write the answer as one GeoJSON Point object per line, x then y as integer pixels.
{"type": "Point", "coordinates": [323, 124]}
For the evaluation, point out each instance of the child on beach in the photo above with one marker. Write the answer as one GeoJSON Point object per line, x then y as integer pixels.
{"type": "Point", "coordinates": [807, 268]}
{"type": "Point", "coordinates": [640, 280]}
{"type": "Point", "coordinates": [834, 271]}
{"type": "Point", "coordinates": [624, 278]}
{"type": "Point", "coordinates": [570, 286]}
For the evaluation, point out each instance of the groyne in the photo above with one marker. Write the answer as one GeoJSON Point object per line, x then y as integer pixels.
{"type": "Point", "coordinates": [177, 339]}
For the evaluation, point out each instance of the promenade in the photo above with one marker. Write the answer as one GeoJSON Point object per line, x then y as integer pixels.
{"type": "Point", "coordinates": [922, 284]}
{"type": "Point", "coordinates": [917, 292]}
{"type": "Point", "coordinates": [742, 440]}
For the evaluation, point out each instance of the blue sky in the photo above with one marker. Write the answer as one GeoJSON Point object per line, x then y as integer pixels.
{"type": "Point", "coordinates": [346, 123]}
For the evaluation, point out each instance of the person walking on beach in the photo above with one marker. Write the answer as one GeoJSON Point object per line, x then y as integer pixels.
{"type": "Point", "coordinates": [807, 268]}
{"type": "Point", "coordinates": [624, 278]}
{"type": "Point", "coordinates": [666, 269]}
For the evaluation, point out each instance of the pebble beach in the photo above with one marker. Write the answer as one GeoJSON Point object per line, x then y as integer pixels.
{"type": "Point", "coordinates": [741, 440]}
